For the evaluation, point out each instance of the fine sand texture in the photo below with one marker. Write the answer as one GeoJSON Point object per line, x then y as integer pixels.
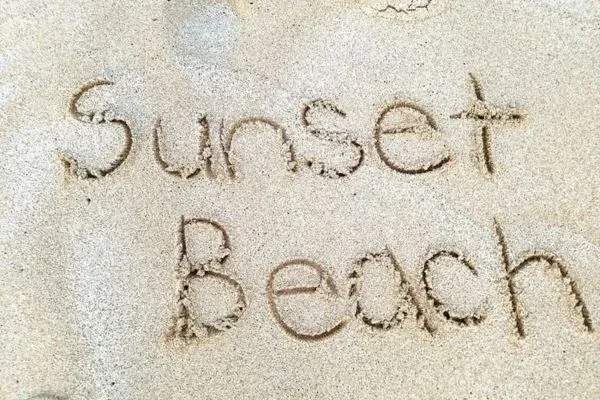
{"type": "Point", "coordinates": [329, 199]}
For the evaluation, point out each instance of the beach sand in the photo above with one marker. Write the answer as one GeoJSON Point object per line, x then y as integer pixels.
{"type": "Point", "coordinates": [323, 199]}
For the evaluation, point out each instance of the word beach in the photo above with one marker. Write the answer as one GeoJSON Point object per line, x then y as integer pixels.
{"type": "Point", "coordinates": [316, 281]}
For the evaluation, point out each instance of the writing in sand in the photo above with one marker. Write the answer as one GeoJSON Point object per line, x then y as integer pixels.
{"type": "Point", "coordinates": [415, 301]}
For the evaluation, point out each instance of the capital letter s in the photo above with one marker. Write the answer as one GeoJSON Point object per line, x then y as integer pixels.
{"type": "Point", "coordinates": [70, 164]}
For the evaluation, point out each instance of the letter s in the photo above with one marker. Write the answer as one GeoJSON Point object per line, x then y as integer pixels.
{"type": "Point", "coordinates": [70, 164]}
{"type": "Point", "coordinates": [341, 138]}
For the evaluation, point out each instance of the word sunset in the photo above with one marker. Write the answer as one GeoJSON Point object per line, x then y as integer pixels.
{"type": "Point", "coordinates": [319, 118]}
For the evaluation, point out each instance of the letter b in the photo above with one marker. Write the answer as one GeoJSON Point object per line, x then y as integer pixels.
{"type": "Point", "coordinates": [197, 263]}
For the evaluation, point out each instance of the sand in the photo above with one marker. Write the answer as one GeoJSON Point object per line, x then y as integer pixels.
{"type": "Point", "coordinates": [324, 199]}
